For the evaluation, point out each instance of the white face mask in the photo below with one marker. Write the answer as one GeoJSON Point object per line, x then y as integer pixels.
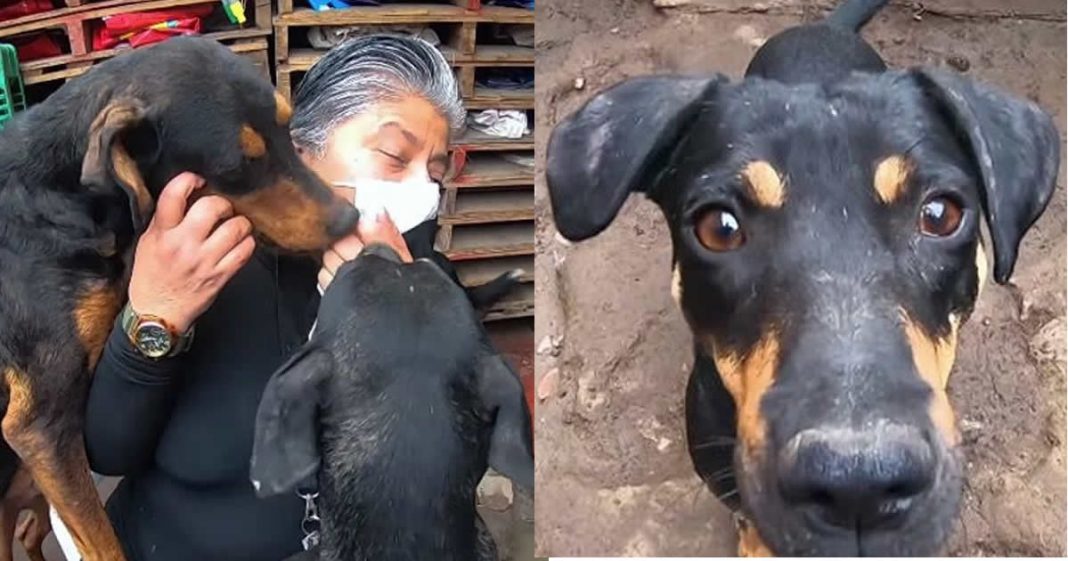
{"type": "Point", "coordinates": [409, 203]}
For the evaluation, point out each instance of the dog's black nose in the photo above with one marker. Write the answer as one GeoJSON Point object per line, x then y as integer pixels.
{"type": "Point", "coordinates": [852, 479]}
{"type": "Point", "coordinates": [383, 251]}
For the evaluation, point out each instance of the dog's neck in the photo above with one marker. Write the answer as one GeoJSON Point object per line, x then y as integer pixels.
{"type": "Point", "coordinates": [408, 491]}
{"type": "Point", "coordinates": [392, 517]}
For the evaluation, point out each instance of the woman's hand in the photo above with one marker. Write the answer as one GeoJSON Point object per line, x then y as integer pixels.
{"type": "Point", "coordinates": [183, 260]}
{"type": "Point", "coordinates": [380, 230]}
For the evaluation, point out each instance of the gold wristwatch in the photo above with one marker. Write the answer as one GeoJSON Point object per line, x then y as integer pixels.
{"type": "Point", "coordinates": [152, 336]}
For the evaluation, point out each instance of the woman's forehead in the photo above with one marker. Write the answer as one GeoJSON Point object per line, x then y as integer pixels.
{"type": "Point", "coordinates": [411, 120]}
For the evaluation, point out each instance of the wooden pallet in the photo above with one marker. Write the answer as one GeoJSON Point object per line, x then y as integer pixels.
{"type": "Point", "coordinates": [461, 48]}
{"type": "Point", "coordinates": [474, 141]}
{"type": "Point", "coordinates": [251, 43]}
{"type": "Point", "coordinates": [518, 304]}
{"type": "Point", "coordinates": [74, 20]}
{"type": "Point", "coordinates": [487, 170]}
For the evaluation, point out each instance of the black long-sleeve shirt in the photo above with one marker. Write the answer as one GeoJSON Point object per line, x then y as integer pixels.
{"type": "Point", "coordinates": [180, 430]}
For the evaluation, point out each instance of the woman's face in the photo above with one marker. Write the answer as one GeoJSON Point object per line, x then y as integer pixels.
{"type": "Point", "coordinates": [405, 140]}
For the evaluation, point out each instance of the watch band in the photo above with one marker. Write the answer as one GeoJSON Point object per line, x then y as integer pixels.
{"type": "Point", "coordinates": [131, 321]}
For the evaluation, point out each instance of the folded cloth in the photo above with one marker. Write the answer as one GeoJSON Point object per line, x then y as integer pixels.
{"type": "Point", "coordinates": [502, 123]}
{"type": "Point", "coordinates": [519, 159]}
{"type": "Point", "coordinates": [329, 37]}
{"type": "Point", "coordinates": [320, 5]}
{"type": "Point", "coordinates": [144, 28]}
{"type": "Point", "coordinates": [36, 46]}
{"type": "Point", "coordinates": [522, 35]}
{"type": "Point", "coordinates": [527, 4]}
{"type": "Point", "coordinates": [103, 39]}
{"type": "Point", "coordinates": [507, 78]}
{"type": "Point", "coordinates": [23, 8]}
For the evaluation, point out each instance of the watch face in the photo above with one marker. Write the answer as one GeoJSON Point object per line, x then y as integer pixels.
{"type": "Point", "coordinates": [153, 339]}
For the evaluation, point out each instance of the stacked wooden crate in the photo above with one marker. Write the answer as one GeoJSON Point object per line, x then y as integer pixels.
{"type": "Point", "coordinates": [487, 213]}
{"type": "Point", "coordinates": [75, 20]}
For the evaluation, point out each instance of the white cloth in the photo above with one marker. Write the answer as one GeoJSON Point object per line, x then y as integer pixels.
{"type": "Point", "coordinates": [409, 203]}
{"type": "Point", "coordinates": [502, 123]}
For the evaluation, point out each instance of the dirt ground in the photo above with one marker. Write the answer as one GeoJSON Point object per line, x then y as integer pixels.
{"type": "Point", "coordinates": [613, 476]}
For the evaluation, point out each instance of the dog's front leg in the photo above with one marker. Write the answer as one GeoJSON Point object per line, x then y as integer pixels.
{"type": "Point", "coordinates": [46, 432]}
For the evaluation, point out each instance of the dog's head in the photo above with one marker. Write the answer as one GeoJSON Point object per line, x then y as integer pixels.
{"type": "Point", "coordinates": [827, 249]}
{"type": "Point", "coordinates": [189, 104]}
{"type": "Point", "coordinates": [399, 390]}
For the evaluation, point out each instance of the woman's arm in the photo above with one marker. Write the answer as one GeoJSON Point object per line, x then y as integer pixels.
{"type": "Point", "coordinates": [129, 404]}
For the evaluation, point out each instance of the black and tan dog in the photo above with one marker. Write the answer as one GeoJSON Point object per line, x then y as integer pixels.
{"type": "Point", "coordinates": [825, 216]}
{"type": "Point", "coordinates": [396, 406]}
{"type": "Point", "coordinates": [79, 174]}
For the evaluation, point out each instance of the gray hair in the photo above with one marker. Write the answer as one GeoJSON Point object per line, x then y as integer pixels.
{"type": "Point", "coordinates": [367, 70]}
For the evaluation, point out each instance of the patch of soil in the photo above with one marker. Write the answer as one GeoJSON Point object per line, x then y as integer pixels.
{"type": "Point", "coordinates": [613, 475]}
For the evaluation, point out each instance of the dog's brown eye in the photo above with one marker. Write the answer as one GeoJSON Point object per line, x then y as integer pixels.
{"type": "Point", "coordinates": [719, 230]}
{"type": "Point", "coordinates": [940, 216]}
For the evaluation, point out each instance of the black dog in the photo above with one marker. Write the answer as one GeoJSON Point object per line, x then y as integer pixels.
{"type": "Point", "coordinates": [397, 404]}
{"type": "Point", "coordinates": [824, 215]}
{"type": "Point", "coordinates": [79, 175]}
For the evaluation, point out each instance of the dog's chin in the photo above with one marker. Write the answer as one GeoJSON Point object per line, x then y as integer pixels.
{"type": "Point", "coordinates": [792, 531]}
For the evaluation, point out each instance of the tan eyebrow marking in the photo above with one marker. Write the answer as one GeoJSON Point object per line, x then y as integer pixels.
{"type": "Point", "coordinates": [891, 178]}
{"type": "Point", "coordinates": [252, 144]}
{"type": "Point", "coordinates": [764, 184]}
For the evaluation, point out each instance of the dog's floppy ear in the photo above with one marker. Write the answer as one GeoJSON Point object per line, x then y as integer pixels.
{"type": "Point", "coordinates": [108, 162]}
{"type": "Point", "coordinates": [286, 446]}
{"type": "Point", "coordinates": [1016, 149]}
{"type": "Point", "coordinates": [616, 143]}
{"type": "Point", "coordinates": [511, 444]}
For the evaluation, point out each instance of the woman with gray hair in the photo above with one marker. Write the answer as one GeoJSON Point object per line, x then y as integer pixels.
{"type": "Point", "coordinates": [374, 116]}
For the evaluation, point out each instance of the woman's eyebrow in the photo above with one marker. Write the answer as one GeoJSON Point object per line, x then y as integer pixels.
{"type": "Point", "coordinates": [440, 158]}
{"type": "Point", "coordinates": [407, 134]}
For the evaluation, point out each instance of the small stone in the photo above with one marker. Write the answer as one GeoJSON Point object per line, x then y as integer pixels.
{"type": "Point", "coordinates": [959, 63]}
{"type": "Point", "coordinates": [614, 30]}
{"type": "Point", "coordinates": [495, 492]}
{"type": "Point", "coordinates": [580, 83]}
{"type": "Point", "coordinates": [547, 385]}
{"type": "Point", "coordinates": [545, 345]}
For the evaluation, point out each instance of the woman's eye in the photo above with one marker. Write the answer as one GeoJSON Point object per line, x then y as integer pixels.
{"type": "Point", "coordinates": [396, 158]}
{"type": "Point", "coordinates": [718, 230]}
{"type": "Point", "coordinates": [940, 216]}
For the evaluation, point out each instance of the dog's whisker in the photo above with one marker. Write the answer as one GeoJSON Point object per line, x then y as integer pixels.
{"type": "Point", "coordinates": [728, 494]}
{"type": "Point", "coordinates": [715, 442]}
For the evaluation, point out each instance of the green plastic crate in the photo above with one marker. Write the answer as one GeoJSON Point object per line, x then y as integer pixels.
{"type": "Point", "coordinates": [12, 91]}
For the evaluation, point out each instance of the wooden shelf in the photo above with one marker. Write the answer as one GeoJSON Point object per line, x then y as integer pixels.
{"type": "Point", "coordinates": [496, 55]}
{"type": "Point", "coordinates": [475, 141]}
{"type": "Point", "coordinates": [403, 13]}
{"type": "Point", "coordinates": [68, 66]}
{"type": "Point", "coordinates": [491, 241]}
{"type": "Point", "coordinates": [484, 56]}
{"type": "Point", "coordinates": [474, 273]}
{"type": "Point", "coordinates": [488, 170]}
{"type": "Point", "coordinates": [88, 11]}
{"type": "Point", "coordinates": [488, 207]}
{"type": "Point", "coordinates": [395, 13]}
{"type": "Point", "coordinates": [501, 14]}
{"type": "Point", "coordinates": [520, 303]}
{"type": "Point", "coordinates": [491, 98]}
